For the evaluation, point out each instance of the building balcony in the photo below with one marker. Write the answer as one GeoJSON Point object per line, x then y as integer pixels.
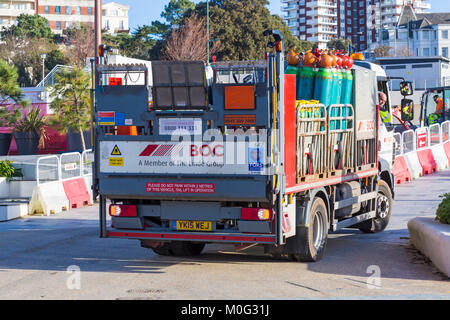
{"type": "Point", "coordinates": [326, 13]}
{"type": "Point", "coordinates": [290, 16]}
{"type": "Point", "coordinates": [15, 12]}
{"type": "Point", "coordinates": [289, 7]}
{"type": "Point", "coordinates": [326, 4]}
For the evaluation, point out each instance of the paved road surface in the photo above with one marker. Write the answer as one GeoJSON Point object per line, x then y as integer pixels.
{"type": "Point", "coordinates": [35, 253]}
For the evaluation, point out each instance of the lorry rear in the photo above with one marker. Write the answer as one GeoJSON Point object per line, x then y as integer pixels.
{"type": "Point", "coordinates": [194, 160]}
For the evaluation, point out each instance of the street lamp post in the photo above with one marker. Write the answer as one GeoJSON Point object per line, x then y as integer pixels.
{"type": "Point", "coordinates": [43, 56]}
{"type": "Point", "coordinates": [207, 31]}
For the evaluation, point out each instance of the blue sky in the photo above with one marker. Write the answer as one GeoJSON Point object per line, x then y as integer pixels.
{"type": "Point", "coordinates": [144, 11]}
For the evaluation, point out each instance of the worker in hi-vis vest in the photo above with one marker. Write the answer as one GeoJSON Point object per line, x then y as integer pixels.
{"type": "Point", "coordinates": [438, 115]}
{"type": "Point", "coordinates": [383, 110]}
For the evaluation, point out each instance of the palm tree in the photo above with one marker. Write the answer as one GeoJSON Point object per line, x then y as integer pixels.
{"type": "Point", "coordinates": [71, 103]}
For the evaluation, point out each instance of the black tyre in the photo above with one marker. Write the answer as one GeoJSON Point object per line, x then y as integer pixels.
{"type": "Point", "coordinates": [384, 211]}
{"type": "Point", "coordinates": [312, 239]}
{"type": "Point", "coordinates": [180, 248]}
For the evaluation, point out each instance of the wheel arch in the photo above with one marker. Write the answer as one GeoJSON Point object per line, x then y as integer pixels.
{"type": "Point", "coordinates": [304, 210]}
{"type": "Point", "coordinates": [386, 175]}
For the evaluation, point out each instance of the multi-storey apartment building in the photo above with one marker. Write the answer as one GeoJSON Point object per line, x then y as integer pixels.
{"type": "Point", "coordinates": [62, 14]}
{"type": "Point", "coordinates": [11, 9]}
{"type": "Point", "coordinates": [357, 20]}
{"type": "Point", "coordinates": [420, 35]}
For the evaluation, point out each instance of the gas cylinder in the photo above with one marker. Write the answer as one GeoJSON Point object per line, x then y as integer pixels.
{"type": "Point", "coordinates": [323, 86]}
{"type": "Point", "coordinates": [340, 80]}
{"type": "Point", "coordinates": [334, 88]}
{"type": "Point", "coordinates": [291, 70]}
{"type": "Point", "coordinates": [347, 86]}
{"type": "Point", "coordinates": [305, 83]}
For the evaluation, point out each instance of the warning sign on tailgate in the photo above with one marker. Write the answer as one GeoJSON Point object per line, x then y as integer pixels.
{"type": "Point", "coordinates": [180, 187]}
{"type": "Point", "coordinates": [248, 158]}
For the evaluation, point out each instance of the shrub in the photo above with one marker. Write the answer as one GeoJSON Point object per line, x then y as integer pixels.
{"type": "Point", "coordinates": [8, 171]}
{"type": "Point", "coordinates": [443, 210]}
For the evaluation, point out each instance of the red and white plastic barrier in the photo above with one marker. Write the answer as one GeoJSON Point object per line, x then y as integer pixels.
{"type": "Point", "coordinates": [61, 184]}
{"type": "Point", "coordinates": [422, 152]}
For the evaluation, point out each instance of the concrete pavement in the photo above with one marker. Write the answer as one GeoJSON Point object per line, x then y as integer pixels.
{"type": "Point", "coordinates": [40, 258]}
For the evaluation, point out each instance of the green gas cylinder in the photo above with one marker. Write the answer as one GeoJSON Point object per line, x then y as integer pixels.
{"type": "Point", "coordinates": [305, 83]}
{"type": "Point", "coordinates": [339, 85]}
{"type": "Point", "coordinates": [323, 85]}
{"type": "Point", "coordinates": [347, 87]}
{"type": "Point", "coordinates": [291, 70]}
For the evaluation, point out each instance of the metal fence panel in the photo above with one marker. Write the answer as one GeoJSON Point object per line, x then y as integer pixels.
{"type": "Point", "coordinates": [398, 143]}
{"type": "Point", "coordinates": [445, 131]}
{"type": "Point", "coordinates": [435, 134]}
{"type": "Point", "coordinates": [47, 169]}
{"type": "Point", "coordinates": [408, 141]}
{"type": "Point", "coordinates": [422, 137]}
{"type": "Point", "coordinates": [87, 160]}
{"type": "Point", "coordinates": [70, 165]}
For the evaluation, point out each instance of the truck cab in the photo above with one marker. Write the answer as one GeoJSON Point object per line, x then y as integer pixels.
{"type": "Point", "coordinates": [431, 98]}
{"type": "Point", "coordinates": [386, 130]}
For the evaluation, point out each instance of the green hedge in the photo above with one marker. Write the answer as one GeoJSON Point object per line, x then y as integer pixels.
{"type": "Point", "coordinates": [443, 210]}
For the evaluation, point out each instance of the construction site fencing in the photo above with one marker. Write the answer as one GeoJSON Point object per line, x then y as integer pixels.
{"type": "Point", "coordinates": [63, 167]}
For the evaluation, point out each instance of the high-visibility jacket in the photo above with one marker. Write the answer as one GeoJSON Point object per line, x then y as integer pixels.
{"type": "Point", "coordinates": [385, 116]}
{"type": "Point", "coordinates": [440, 106]}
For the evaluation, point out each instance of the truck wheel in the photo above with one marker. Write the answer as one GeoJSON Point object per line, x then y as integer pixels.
{"type": "Point", "coordinates": [180, 248]}
{"type": "Point", "coordinates": [384, 210]}
{"type": "Point", "coordinates": [312, 239]}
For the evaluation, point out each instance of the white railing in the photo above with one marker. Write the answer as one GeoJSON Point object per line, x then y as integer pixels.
{"type": "Point", "coordinates": [48, 169]}
{"type": "Point", "coordinates": [67, 166]}
{"type": "Point", "coordinates": [49, 79]}
{"type": "Point", "coordinates": [421, 138]}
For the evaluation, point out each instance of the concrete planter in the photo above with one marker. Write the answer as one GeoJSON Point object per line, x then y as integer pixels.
{"type": "Point", "coordinates": [9, 211]}
{"type": "Point", "coordinates": [5, 142]}
{"type": "Point", "coordinates": [27, 142]}
{"type": "Point", "coordinates": [432, 238]}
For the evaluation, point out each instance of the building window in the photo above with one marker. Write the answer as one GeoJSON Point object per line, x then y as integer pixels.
{"type": "Point", "coordinates": [78, 10]}
{"type": "Point", "coordinates": [46, 9]}
{"type": "Point", "coordinates": [420, 66]}
{"type": "Point", "coordinates": [68, 24]}
{"type": "Point", "coordinates": [89, 11]}
{"type": "Point", "coordinates": [426, 52]}
{"type": "Point", "coordinates": [395, 67]}
{"type": "Point", "coordinates": [58, 25]}
{"type": "Point", "coordinates": [58, 9]}
{"type": "Point", "coordinates": [361, 38]}
{"type": "Point", "coordinates": [68, 10]}
{"type": "Point", "coordinates": [121, 26]}
{"type": "Point", "coordinates": [444, 34]}
{"type": "Point", "coordinates": [445, 52]}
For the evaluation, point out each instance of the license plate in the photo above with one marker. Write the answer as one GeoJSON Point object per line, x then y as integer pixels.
{"type": "Point", "coordinates": [193, 225]}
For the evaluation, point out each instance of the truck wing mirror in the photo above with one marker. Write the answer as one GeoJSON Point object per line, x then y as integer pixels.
{"type": "Point", "coordinates": [407, 110]}
{"type": "Point", "coordinates": [406, 88]}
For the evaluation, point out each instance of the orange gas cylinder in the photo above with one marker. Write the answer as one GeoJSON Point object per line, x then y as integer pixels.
{"type": "Point", "coordinates": [292, 57]}
{"type": "Point", "coordinates": [333, 59]}
{"type": "Point", "coordinates": [325, 60]}
{"type": "Point", "coordinates": [309, 59]}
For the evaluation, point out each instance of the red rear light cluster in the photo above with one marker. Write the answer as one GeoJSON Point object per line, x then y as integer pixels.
{"type": "Point", "coordinates": [122, 210]}
{"type": "Point", "coordinates": [258, 214]}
